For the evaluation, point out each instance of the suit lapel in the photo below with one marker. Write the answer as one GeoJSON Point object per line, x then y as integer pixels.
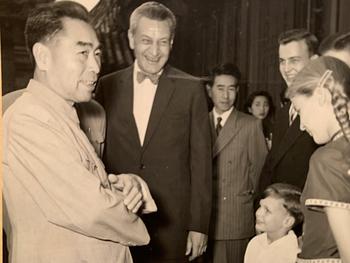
{"type": "Point", "coordinates": [289, 138]}
{"type": "Point", "coordinates": [227, 133]}
{"type": "Point", "coordinates": [165, 89]}
{"type": "Point", "coordinates": [127, 102]}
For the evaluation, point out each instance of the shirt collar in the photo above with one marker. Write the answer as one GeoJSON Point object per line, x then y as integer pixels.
{"type": "Point", "coordinates": [51, 98]}
{"type": "Point", "coordinates": [224, 116]}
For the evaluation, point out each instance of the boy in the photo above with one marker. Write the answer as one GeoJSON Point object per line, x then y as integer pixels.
{"type": "Point", "coordinates": [278, 213]}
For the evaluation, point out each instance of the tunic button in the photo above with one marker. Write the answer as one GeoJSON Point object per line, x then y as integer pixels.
{"type": "Point", "coordinates": [142, 166]}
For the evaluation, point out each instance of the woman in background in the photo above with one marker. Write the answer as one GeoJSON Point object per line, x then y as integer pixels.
{"type": "Point", "coordinates": [260, 105]}
{"type": "Point", "coordinates": [321, 95]}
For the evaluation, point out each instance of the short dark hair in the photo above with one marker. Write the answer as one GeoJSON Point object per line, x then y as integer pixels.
{"type": "Point", "coordinates": [297, 35]}
{"type": "Point", "coordinates": [155, 11]}
{"type": "Point", "coordinates": [338, 41]}
{"type": "Point", "coordinates": [290, 195]}
{"type": "Point", "coordinates": [225, 69]}
{"type": "Point", "coordinates": [258, 93]}
{"type": "Point", "coordinates": [45, 21]}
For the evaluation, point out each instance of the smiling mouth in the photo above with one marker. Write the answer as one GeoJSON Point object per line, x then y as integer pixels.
{"type": "Point", "coordinates": [152, 60]}
{"type": "Point", "coordinates": [91, 83]}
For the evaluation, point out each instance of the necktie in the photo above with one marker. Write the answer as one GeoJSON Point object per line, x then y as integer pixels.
{"type": "Point", "coordinates": [218, 125]}
{"type": "Point", "coordinates": [141, 76]}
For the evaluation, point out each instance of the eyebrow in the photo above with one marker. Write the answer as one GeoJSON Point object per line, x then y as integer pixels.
{"type": "Point", "coordinates": [232, 85]}
{"type": "Point", "coordinates": [294, 57]}
{"type": "Point", "coordinates": [87, 44]}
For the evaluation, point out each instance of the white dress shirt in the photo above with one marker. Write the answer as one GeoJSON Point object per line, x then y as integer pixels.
{"type": "Point", "coordinates": [223, 116]}
{"type": "Point", "coordinates": [144, 93]}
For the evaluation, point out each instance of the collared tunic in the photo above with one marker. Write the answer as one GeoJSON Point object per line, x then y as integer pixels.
{"type": "Point", "coordinates": [59, 206]}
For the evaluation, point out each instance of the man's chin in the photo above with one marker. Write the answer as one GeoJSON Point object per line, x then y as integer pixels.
{"type": "Point", "coordinates": [84, 98]}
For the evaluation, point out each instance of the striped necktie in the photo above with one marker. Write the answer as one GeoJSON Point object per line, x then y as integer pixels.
{"type": "Point", "coordinates": [218, 125]}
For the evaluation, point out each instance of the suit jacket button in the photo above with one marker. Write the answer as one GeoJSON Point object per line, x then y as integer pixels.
{"type": "Point", "coordinates": [142, 166]}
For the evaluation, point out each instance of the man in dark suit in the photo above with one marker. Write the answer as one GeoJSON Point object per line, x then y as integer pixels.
{"type": "Point", "coordinates": [158, 128]}
{"type": "Point", "coordinates": [239, 152]}
{"type": "Point", "coordinates": [288, 160]}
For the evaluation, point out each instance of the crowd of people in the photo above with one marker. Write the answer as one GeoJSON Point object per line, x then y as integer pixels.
{"type": "Point", "coordinates": [174, 182]}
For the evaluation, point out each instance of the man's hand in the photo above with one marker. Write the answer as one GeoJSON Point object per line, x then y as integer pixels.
{"type": "Point", "coordinates": [131, 188]}
{"type": "Point", "coordinates": [196, 244]}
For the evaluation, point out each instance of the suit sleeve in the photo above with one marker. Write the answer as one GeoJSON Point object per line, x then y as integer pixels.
{"type": "Point", "coordinates": [201, 163]}
{"type": "Point", "coordinates": [257, 151]}
{"type": "Point", "coordinates": [52, 171]}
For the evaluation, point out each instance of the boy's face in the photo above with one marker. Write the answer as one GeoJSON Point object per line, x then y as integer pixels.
{"type": "Point", "coordinates": [223, 92]}
{"type": "Point", "coordinates": [271, 215]}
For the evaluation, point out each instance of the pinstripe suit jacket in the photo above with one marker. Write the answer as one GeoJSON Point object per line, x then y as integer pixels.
{"type": "Point", "coordinates": [239, 153]}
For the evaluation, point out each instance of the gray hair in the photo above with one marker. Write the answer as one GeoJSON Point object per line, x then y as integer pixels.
{"type": "Point", "coordinates": [154, 11]}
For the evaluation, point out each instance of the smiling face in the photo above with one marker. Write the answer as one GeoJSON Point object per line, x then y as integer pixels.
{"type": "Point", "coordinates": [260, 107]}
{"type": "Point", "coordinates": [271, 216]}
{"type": "Point", "coordinates": [293, 56]}
{"type": "Point", "coordinates": [73, 61]}
{"type": "Point", "coordinates": [223, 92]}
{"type": "Point", "coordinates": [151, 43]}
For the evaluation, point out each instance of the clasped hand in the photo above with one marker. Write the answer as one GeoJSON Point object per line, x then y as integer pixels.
{"type": "Point", "coordinates": [131, 189]}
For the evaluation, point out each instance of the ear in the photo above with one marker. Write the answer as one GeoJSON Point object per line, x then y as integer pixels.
{"type": "Point", "coordinates": [41, 55]}
{"type": "Point", "coordinates": [314, 56]}
{"type": "Point", "coordinates": [250, 109]}
{"type": "Point", "coordinates": [288, 222]}
{"type": "Point", "coordinates": [171, 42]}
{"type": "Point", "coordinates": [208, 88]}
{"type": "Point", "coordinates": [131, 39]}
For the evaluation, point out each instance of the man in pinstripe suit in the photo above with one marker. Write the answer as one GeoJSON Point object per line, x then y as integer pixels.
{"type": "Point", "coordinates": [239, 152]}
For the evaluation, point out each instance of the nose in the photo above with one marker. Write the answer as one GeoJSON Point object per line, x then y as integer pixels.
{"type": "Point", "coordinates": [258, 212]}
{"type": "Point", "coordinates": [287, 66]}
{"type": "Point", "coordinates": [154, 49]}
{"type": "Point", "coordinates": [94, 63]}
{"type": "Point", "coordinates": [225, 94]}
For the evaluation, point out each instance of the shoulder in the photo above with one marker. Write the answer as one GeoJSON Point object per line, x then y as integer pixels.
{"type": "Point", "coordinates": [27, 107]}
{"type": "Point", "coordinates": [248, 119]}
{"type": "Point", "coordinates": [329, 154]}
{"type": "Point", "coordinates": [257, 242]}
{"type": "Point", "coordinates": [327, 178]}
{"type": "Point", "coordinates": [179, 75]}
{"type": "Point", "coordinates": [117, 74]}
